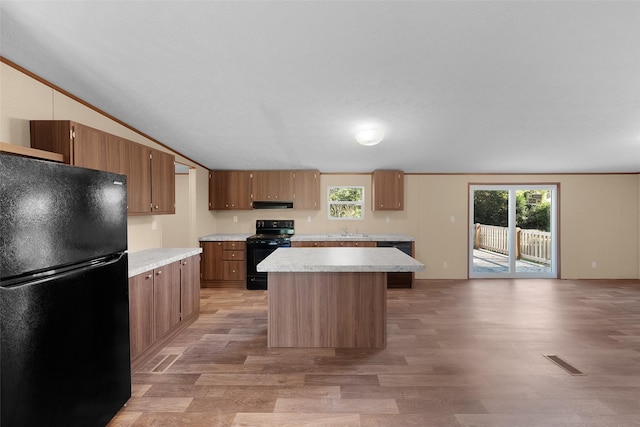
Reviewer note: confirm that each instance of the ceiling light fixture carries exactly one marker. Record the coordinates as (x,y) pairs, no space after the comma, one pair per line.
(369,136)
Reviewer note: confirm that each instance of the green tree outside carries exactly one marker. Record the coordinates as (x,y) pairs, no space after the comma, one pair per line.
(533,209)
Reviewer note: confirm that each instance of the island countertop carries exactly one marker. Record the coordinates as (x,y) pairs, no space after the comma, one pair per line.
(352,259)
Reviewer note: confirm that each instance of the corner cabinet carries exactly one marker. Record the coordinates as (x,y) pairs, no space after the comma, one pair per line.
(229,190)
(150,172)
(223,264)
(162,302)
(387,189)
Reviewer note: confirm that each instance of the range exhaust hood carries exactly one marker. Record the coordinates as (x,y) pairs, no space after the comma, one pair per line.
(270,204)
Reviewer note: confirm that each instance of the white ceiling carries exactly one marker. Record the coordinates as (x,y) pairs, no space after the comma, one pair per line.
(476,86)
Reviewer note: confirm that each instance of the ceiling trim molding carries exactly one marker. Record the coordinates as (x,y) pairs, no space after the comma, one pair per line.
(92,107)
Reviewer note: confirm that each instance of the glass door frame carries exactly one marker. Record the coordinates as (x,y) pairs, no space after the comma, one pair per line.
(512,188)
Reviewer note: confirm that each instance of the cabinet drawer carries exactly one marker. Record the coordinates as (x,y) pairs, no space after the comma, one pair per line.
(234,270)
(237,246)
(308,244)
(233,255)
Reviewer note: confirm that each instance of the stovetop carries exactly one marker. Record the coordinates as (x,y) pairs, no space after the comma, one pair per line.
(273,229)
(270,236)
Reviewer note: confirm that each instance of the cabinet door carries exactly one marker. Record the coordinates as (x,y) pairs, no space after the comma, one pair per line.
(306,187)
(211,261)
(218,189)
(273,185)
(190,286)
(138,178)
(53,135)
(234,270)
(163,182)
(239,190)
(387,190)
(166,298)
(89,147)
(116,155)
(141,312)
(229,190)
(305,244)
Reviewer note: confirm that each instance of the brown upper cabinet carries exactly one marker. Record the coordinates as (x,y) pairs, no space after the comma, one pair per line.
(236,190)
(163,182)
(272,185)
(229,190)
(150,173)
(387,188)
(138,178)
(306,189)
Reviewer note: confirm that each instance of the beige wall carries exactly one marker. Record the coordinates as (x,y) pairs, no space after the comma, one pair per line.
(23,98)
(599,214)
(598,218)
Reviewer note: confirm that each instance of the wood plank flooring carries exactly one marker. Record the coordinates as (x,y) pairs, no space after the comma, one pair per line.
(459,353)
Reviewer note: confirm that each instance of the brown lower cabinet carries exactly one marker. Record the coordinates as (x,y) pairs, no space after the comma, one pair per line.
(162,302)
(223,264)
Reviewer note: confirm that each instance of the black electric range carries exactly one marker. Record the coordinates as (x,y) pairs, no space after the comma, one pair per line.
(270,235)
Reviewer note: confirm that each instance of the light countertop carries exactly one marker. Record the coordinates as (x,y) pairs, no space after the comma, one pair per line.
(352,237)
(352,259)
(148,259)
(222,237)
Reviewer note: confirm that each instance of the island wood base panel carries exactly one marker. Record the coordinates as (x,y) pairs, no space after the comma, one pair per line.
(327,310)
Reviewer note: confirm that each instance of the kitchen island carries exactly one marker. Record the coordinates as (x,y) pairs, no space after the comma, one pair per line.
(331,297)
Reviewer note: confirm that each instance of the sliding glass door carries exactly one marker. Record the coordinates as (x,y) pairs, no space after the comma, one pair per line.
(512,231)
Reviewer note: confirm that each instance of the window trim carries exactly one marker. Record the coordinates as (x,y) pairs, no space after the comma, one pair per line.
(361,203)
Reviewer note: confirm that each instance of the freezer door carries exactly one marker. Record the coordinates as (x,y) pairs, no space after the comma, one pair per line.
(55,215)
(64,348)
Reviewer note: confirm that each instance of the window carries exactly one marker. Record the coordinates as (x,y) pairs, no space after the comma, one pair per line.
(346,202)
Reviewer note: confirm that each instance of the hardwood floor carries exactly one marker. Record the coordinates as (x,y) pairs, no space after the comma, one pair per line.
(459,353)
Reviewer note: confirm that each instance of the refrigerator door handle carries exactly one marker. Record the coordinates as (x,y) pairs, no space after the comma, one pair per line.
(37,278)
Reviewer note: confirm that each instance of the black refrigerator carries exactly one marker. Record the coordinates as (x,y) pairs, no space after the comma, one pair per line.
(64,304)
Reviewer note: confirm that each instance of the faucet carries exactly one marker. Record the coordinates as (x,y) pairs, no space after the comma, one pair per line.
(345,231)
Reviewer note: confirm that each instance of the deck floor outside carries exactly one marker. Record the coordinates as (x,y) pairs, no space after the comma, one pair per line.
(492,262)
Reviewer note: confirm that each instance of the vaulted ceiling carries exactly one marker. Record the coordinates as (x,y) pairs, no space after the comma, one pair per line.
(460,87)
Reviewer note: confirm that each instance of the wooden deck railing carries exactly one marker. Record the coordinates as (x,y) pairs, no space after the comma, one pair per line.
(532,245)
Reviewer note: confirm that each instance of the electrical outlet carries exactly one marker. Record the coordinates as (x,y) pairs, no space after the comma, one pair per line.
(444,264)
(388,219)
(154,225)
(308,219)
(453,219)
(594,264)
(235,218)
